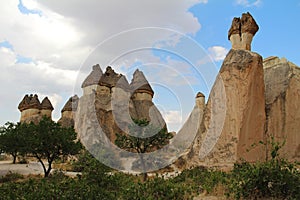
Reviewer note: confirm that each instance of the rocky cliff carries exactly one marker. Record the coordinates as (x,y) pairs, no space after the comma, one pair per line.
(234,116)
(282,83)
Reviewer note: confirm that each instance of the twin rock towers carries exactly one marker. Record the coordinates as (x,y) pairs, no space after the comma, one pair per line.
(233,121)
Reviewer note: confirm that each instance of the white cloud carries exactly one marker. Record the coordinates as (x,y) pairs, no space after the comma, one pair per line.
(217,53)
(173,119)
(249,3)
(172,116)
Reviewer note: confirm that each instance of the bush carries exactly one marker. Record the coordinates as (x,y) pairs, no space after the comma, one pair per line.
(275,178)
(9,177)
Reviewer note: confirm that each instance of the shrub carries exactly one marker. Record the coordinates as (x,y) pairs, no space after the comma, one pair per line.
(9,177)
(275,178)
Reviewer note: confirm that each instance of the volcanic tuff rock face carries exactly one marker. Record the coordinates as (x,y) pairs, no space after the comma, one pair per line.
(67,113)
(115,103)
(235,113)
(282,83)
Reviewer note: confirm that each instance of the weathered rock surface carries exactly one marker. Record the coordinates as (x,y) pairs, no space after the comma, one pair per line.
(68,112)
(115,108)
(242,31)
(32,110)
(93,77)
(282,83)
(234,116)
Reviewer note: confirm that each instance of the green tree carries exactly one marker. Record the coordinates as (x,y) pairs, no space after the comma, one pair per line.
(142,143)
(12,139)
(49,140)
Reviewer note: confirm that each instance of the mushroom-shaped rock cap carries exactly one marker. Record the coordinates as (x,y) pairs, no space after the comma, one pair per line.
(46,104)
(246,24)
(29,102)
(199,94)
(235,27)
(23,105)
(94,77)
(139,83)
(71,104)
(109,78)
(34,102)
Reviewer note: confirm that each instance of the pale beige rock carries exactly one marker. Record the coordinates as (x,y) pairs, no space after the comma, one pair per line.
(282,83)
(235,113)
(29,114)
(46,113)
(68,111)
(200,101)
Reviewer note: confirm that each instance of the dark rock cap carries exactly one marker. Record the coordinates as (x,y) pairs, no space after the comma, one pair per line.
(94,77)
(71,104)
(248,24)
(46,104)
(29,102)
(109,78)
(235,27)
(199,94)
(139,83)
(245,24)
(23,105)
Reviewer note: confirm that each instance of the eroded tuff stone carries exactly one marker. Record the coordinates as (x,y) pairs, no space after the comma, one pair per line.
(248,24)
(139,84)
(242,31)
(109,78)
(67,113)
(46,104)
(282,93)
(120,102)
(46,108)
(235,27)
(32,110)
(234,116)
(94,77)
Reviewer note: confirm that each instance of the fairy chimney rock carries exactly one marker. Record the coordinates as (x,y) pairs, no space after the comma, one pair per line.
(23,105)
(32,110)
(140,87)
(242,31)
(200,101)
(90,84)
(67,113)
(46,108)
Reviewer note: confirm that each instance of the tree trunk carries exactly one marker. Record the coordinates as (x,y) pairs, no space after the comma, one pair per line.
(49,169)
(44,167)
(47,172)
(14,159)
(144,173)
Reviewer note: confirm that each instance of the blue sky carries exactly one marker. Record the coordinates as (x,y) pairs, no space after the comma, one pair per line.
(48,47)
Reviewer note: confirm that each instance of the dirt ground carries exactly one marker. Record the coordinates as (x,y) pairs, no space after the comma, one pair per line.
(25,169)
